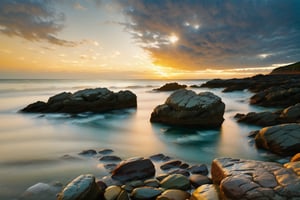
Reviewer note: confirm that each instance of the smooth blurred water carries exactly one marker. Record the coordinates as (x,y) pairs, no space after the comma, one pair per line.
(31,145)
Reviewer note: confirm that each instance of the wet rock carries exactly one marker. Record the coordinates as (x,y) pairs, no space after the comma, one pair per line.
(87,100)
(198,180)
(134,169)
(110,159)
(175,181)
(129,186)
(186,108)
(295,158)
(160,177)
(180,171)
(184,166)
(291,114)
(199,169)
(89,152)
(170,164)
(42,191)
(170,87)
(250,179)
(260,119)
(112,192)
(81,188)
(109,181)
(173,194)
(158,157)
(205,192)
(152,183)
(105,151)
(110,166)
(281,139)
(145,193)
(69,157)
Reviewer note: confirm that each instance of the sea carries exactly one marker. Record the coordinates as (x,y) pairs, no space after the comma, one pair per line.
(33,146)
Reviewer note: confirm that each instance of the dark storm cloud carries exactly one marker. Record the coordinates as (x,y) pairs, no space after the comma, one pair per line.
(216,33)
(34,20)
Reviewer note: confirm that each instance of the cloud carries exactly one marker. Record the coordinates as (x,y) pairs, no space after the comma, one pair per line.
(78,6)
(214,33)
(34,20)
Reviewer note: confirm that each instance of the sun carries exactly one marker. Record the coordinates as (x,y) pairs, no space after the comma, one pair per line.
(173,38)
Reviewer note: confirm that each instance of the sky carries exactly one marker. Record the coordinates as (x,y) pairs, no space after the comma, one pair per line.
(147,39)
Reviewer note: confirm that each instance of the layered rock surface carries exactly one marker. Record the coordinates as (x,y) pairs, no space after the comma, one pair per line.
(87,100)
(281,139)
(186,108)
(250,179)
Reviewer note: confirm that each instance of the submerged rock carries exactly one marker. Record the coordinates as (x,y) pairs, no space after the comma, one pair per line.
(83,187)
(87,100)
(42,191)
(250,179)
(134,169)
(281,139)
(171,87)
(186,108)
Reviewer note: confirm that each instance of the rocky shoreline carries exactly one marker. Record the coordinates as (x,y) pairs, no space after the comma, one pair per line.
(229,178)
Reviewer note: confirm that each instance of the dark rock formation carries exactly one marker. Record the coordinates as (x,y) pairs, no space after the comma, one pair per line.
(281,139)
(288,115)
(134,169)
(87,100)
(186,108)
(171,87)
(82,188)
(249,179)
(288,69)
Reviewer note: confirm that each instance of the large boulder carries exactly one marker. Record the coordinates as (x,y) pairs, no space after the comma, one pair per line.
(281,139)
(171,87)
(250,179)
(186,108)
(87,100)
(134,169)
(83,187)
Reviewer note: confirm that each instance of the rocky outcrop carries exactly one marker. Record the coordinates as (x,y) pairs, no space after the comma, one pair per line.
(186,108)
(171,87)
(83,187)
(134,169)
(288,69)
(281,139)
(288,115)
(278,96)
(87,100)
(249,179)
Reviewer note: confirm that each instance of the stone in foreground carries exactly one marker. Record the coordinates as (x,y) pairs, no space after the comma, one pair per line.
(186,108)
(281,139)
(83,187)
(87,100)
(205,192)
(134,169)
(250,179)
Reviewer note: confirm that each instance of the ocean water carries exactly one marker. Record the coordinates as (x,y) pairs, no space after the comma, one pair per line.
(31,145)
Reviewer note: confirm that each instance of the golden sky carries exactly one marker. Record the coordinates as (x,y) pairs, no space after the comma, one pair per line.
(146,39)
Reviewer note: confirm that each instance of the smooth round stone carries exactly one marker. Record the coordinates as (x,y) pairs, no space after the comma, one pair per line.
(170,164)
(88,152)
(110,158)
(152,183)
(175,181)
(205,192)
(198,180)
(145,193)
(105,151)
(174,194)
(199,169)
(112,192)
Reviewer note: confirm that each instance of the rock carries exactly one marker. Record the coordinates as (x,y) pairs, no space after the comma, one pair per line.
(180,171)
(295,166)
(110,158)
(186,108)
(171,87)
(295,158)
(184,166)
(198,180)
(42,191)
(105,151)
(173,194)
(129,186)
(291,114)
(260,119)
(102,186)
(170,164)
(152,183)
(112,192)
(145,193)
(175,181)
(199,169)
(158,157)
(134,169)
(87,100)
(110,166)
(250,179)
(110,182)
(89,152)
(160,177)
(277,97)
(81,188)
(205,192)
(281,139)
(288,69)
